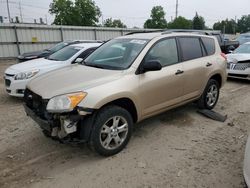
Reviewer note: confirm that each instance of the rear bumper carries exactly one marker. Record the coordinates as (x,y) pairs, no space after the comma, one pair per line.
(44,124)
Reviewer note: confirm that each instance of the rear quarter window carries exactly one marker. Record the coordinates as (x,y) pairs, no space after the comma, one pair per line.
(190,48)
(209,45)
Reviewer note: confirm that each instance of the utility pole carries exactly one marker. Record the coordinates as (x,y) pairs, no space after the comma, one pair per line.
(8,9)
(20,9)
(176,10)
(235,25)
(46,19)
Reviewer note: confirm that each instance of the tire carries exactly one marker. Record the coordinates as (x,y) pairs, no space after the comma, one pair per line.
(210,96)
(112,130)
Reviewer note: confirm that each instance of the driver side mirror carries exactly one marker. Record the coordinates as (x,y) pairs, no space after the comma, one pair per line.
(78,60)
(152,65)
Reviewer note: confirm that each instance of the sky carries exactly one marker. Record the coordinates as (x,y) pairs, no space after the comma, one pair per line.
(135,12)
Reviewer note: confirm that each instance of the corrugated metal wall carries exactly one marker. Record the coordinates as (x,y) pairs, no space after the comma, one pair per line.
(16,39)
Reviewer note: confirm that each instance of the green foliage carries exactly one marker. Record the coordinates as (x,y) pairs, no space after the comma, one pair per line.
(226,26)
(114,23)
(244,24)
(180,23)
(79,13)
(157,20)
(198,22)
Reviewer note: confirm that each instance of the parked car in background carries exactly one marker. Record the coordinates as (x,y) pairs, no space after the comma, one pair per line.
(243,38)
(226,45)
(126,80)
(238,62)
(246,165)
(17,76)
(46,52)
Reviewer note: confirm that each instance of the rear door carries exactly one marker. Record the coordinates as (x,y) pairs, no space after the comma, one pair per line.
(194,66)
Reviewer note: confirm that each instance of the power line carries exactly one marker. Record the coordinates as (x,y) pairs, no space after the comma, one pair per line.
(27,5)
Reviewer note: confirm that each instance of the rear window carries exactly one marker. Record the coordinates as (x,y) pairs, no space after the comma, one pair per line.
(190,47)
(209,45)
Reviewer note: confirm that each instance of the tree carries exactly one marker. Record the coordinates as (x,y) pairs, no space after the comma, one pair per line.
(198,22)
(244,24)
(63,10)
(114,23)
(226,26)
(80,13)
(157,20)
(180,23)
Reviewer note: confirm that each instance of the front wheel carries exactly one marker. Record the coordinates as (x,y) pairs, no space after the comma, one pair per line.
(210,96)
(112,130)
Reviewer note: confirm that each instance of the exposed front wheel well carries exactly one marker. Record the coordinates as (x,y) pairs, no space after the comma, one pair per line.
(127,104)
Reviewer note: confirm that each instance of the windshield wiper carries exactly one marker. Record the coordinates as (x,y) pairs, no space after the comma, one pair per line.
(94,65)
(52,59)
(101,66)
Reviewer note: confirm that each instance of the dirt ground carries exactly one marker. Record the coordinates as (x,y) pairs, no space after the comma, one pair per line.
(179,148)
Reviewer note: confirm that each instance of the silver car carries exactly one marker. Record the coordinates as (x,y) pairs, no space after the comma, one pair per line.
(238,62)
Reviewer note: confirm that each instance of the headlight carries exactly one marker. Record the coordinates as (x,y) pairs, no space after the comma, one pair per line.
(26,75)
(65,103)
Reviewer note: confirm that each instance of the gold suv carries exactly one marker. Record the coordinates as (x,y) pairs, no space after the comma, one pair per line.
(124,81)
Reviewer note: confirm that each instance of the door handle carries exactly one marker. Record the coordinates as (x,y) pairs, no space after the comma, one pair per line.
(179,72)
(209,64)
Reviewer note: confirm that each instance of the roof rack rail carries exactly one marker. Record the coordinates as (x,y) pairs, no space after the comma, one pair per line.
(202,32)
(145,31)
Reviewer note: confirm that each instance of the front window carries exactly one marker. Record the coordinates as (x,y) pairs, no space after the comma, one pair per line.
(243,49)
(64,54)
(165,52)
(117,54)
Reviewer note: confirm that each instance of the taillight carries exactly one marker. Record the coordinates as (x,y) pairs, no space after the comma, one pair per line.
(223,55)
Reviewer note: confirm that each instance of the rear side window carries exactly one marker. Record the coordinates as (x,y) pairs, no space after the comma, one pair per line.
(209,45)
(190,47)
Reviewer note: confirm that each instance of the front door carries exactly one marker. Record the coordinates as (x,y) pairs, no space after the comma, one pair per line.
(164,88)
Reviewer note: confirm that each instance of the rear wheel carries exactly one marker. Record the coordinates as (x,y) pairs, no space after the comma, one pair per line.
(210,96)
(112,130)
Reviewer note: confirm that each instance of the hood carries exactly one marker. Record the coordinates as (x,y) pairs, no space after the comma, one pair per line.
(70,79)
(32,65)
(237,57)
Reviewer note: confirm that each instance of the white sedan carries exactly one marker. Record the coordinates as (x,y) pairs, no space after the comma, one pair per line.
(238,65)
(17,76)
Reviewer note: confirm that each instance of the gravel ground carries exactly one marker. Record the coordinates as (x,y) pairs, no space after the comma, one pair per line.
(179,148)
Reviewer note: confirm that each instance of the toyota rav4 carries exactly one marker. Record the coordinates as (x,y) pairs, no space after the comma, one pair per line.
(126,80)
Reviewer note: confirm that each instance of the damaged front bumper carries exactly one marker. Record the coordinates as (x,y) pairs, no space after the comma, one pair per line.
(60,126)
(74,125)
(44,124)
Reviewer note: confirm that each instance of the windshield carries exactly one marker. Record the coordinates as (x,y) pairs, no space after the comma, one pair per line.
(117,54)
(58,46)
(243,49)
(65,53)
